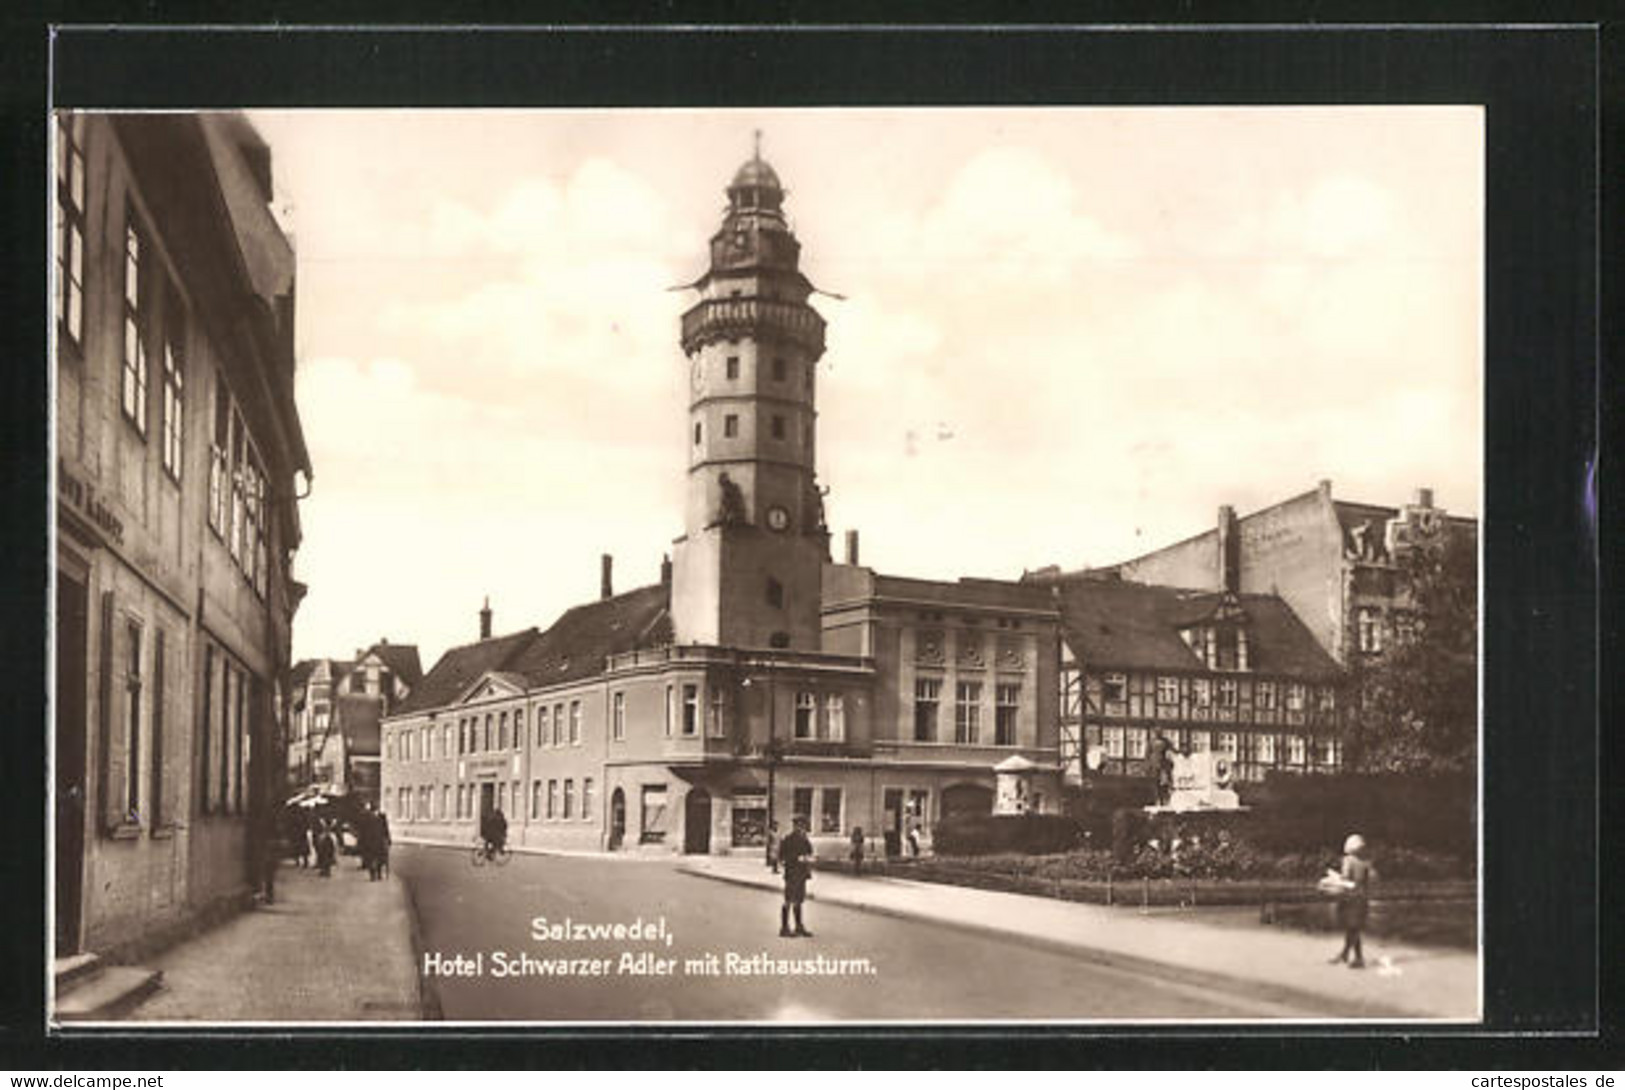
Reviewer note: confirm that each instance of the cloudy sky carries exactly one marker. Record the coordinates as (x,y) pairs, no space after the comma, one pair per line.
(1065,335)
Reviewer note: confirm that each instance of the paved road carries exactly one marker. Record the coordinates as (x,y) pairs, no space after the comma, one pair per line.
(915,970)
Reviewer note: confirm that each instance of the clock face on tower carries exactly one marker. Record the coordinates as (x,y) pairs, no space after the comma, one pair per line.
(777,518)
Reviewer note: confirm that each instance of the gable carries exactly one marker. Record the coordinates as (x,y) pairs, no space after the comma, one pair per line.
(490,685)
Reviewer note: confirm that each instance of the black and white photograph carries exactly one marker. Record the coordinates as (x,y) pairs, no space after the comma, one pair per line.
(828,566)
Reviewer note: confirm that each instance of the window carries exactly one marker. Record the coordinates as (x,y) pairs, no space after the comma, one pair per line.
(575,722)
(1227,692)
(1328,700)
(1136,739)
(445,802)
(829,814)
(535,799)
(696,433)
(1226,744)
(558,724)
(1114,688)
(1201,692)
(133,394)
(155,804)
(967,712)
(778,426)
(569,800)
(70,226)
(1007,704)
(691,710)
(552,798)
(778,368)
(1369,625)
(775,593)
(716,726)
(1294,749)
(801,804)
(445,740)
(835,717)
(730,426)
(806,711)
(1294,697)
(174,403)
(1267,696)
(502,731)
(733,367)
(670,698)
(1198,741)
(927,698)
(132,721)
(586,799)
(1329,752)
(234,536)
(653,829)
(1167,690)
(617,720)
(1113,738)
(541,726)
(218,446)
(1266,749)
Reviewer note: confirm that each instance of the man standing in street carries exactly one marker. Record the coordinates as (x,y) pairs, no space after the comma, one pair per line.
(795,854)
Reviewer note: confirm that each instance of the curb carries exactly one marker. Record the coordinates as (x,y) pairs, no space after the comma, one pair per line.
(1248,987)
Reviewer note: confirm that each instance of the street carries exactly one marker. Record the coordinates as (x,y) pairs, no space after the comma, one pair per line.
(916,971)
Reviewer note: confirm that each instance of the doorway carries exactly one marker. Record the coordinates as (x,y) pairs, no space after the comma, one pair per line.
(617,820)
(488,801)
(697,822)
(72,600)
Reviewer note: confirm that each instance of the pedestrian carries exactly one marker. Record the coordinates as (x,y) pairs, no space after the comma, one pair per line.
(1354,901)
(796,852)
(326,849)
(301,842)
(857,849)
(369,842)
(269,848)
(773,846)
(384,841)
(913,838)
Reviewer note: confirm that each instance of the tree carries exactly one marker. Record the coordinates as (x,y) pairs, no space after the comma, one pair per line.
(1415,705)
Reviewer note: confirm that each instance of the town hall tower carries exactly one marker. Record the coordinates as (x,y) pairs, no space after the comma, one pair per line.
(747,571)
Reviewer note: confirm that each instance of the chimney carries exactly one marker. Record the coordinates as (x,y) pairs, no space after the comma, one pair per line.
(1229,551)
(1325,489)
(852,547)
(485,620)
(383,641)
(1424,497)
(606,568)
(665,571)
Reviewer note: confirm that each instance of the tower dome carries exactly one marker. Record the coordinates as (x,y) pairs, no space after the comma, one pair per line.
(756,173)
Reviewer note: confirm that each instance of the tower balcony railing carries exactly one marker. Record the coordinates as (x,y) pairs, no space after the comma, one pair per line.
(712,319)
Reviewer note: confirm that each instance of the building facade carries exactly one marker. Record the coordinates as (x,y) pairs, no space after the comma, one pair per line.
(757,681)
(178,450)
(334,711)
(1333,561)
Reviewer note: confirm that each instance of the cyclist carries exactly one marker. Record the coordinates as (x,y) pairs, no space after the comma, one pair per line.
(494,831)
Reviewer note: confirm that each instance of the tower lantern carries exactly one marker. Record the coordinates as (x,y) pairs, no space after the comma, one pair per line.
(748,570)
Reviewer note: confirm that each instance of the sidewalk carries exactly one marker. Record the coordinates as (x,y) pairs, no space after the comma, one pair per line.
(334,949)
(1262,962)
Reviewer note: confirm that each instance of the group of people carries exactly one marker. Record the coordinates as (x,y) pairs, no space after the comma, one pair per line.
(316,842)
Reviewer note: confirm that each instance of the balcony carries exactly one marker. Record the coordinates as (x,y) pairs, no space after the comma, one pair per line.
(713,319)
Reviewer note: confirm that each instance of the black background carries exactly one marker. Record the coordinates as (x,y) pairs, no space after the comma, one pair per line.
(1546,783)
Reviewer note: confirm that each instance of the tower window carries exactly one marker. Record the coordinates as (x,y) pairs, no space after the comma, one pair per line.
(778,368)
(696,433)
(730,426)
(733,367)
(775,593)
(778,427)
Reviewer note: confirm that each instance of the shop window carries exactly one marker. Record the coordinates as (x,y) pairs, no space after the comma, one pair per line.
(829,815)
(801,804)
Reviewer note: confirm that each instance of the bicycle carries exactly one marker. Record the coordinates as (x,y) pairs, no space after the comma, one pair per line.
(484,853)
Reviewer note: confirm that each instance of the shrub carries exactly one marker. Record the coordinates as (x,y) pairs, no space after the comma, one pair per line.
(985,834)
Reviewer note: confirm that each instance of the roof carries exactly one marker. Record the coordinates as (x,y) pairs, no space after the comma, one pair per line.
(1136,626)
(756,172)
(458,667)
(574,647)
(356,717)
(402,660)
(301,673)
(579,641)
(989,593)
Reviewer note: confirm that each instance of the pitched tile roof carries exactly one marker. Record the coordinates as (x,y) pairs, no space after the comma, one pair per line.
(458,668)
(1123,625)
(574,647)
(579,641)
(402,660)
